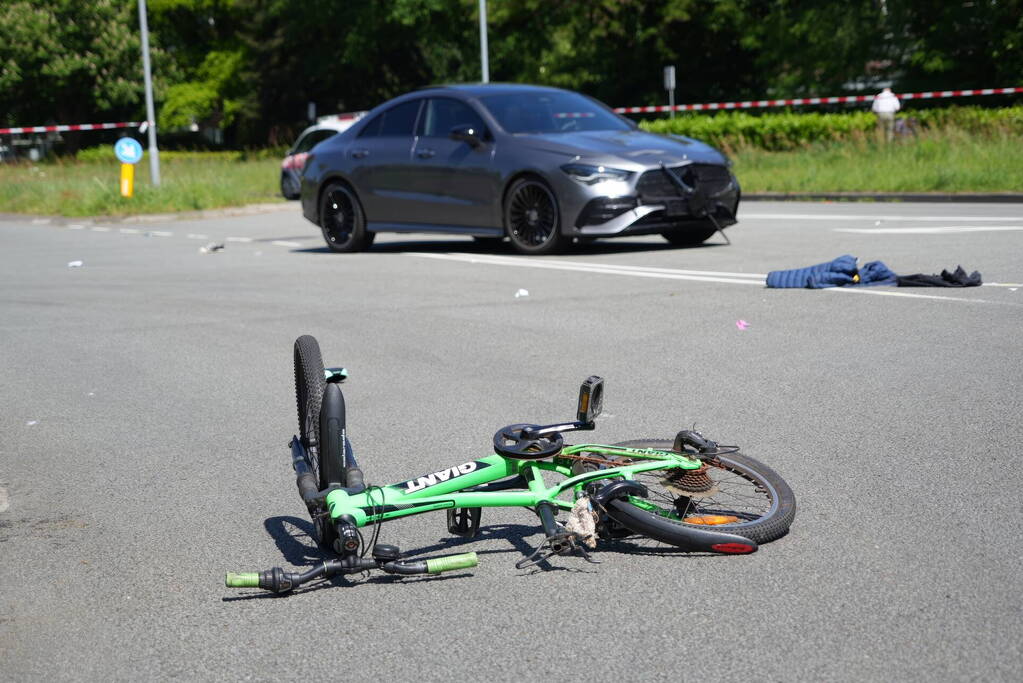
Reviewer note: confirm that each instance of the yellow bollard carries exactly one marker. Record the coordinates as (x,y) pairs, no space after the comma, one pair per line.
(127,180)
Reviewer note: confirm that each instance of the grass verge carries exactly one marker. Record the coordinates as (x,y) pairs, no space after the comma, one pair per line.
(941,162)
(92,188)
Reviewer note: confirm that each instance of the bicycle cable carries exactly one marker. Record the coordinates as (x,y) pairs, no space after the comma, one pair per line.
(378,511)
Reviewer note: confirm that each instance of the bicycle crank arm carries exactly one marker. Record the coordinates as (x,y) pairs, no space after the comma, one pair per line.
(694,538)
(279,581)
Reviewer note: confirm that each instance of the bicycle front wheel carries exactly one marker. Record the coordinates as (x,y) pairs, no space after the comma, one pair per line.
(731,493)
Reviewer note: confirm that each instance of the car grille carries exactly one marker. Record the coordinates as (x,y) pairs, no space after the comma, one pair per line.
(708,179)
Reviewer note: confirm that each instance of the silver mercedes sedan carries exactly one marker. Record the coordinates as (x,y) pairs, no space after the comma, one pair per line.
(540,166)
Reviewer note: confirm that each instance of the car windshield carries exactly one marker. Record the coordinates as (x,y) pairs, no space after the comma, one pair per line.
(550,112)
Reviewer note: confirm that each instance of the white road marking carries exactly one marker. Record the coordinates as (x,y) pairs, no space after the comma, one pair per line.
(100,228)
(195,236)
(5,500)
(936,230)
(160,233)
(238,239)
(606,269)
(850,217)
(878,292)
(284,243)
(76,227)
(670,274)
(129,231)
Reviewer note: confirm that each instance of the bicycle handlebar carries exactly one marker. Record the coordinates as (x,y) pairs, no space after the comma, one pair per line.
(279,581)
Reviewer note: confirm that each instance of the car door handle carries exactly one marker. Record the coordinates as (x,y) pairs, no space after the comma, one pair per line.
(425,153)
(360,153)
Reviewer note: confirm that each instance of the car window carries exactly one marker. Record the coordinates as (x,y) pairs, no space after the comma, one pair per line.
(311,139)
(397,121)
(319,136)
(551,112)
(443,113)
(302,144)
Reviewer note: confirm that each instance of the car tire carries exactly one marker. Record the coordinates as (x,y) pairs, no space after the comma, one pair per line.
(289,186)
(532,220)
(342,220)
(690,237)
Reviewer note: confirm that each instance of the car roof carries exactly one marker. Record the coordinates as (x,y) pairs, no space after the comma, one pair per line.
(480,89)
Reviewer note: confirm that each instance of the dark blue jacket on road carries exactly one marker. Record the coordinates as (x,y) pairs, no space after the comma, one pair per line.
(838,273)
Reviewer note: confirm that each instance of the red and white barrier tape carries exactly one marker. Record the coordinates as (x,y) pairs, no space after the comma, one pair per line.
(756,104)
(62,129)
(748,104)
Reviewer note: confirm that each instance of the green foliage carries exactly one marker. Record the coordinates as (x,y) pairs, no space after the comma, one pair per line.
(252,66)
(104,154)
(213,98)
(65,60)
(789,130)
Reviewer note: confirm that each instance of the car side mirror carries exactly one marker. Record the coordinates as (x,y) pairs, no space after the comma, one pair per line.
(591,399)
(469,134)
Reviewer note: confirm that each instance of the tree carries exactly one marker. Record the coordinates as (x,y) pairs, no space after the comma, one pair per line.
(950,45)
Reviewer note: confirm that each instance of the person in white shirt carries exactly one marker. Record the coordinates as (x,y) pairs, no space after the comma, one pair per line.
(885,105)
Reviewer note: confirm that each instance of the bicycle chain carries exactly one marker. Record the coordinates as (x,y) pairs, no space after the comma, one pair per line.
(706,457)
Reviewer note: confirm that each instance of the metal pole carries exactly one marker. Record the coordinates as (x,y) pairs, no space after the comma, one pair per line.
(154,153)
(483,41)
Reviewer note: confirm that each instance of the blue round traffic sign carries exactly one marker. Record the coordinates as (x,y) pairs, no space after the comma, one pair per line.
(128,150)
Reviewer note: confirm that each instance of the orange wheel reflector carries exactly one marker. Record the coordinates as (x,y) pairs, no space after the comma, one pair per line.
(711,520)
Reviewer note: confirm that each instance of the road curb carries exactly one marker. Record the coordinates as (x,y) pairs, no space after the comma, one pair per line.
(939,197)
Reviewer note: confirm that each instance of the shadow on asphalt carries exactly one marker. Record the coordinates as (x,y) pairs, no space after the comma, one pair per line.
(294,539)
(610,246)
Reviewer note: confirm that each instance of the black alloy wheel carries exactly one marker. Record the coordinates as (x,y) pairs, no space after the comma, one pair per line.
(531,218)
(342,220)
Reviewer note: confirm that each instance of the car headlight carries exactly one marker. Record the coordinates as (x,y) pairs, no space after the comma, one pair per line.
(589,174)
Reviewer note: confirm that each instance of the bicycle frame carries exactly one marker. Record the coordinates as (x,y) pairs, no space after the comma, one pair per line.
(464,486)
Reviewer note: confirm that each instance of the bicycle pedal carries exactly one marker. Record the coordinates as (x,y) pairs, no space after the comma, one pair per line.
(561,545)
(464,521)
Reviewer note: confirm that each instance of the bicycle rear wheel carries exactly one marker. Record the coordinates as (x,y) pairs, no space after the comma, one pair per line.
(732,493)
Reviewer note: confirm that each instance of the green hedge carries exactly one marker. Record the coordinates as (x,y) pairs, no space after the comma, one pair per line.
(775,131)
(105,154)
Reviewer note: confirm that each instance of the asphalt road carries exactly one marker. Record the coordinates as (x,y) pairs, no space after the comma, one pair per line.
(146,402)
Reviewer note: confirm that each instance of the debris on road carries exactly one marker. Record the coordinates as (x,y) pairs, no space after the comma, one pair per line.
(75,264)
(521,293)
(742,324)
(31,422)
(211,248)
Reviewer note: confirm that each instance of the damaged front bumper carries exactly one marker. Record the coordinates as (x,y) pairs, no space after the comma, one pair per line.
(665,200)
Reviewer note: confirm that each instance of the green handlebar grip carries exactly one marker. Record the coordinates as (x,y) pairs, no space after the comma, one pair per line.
(450,562)
(242,580)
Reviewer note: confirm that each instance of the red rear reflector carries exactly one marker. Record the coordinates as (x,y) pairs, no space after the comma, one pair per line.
(734,548)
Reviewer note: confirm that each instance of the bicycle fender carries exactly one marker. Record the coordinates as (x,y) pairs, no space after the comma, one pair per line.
(681,535)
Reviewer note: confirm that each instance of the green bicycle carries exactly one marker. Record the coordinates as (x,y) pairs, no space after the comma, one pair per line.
(691,492)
